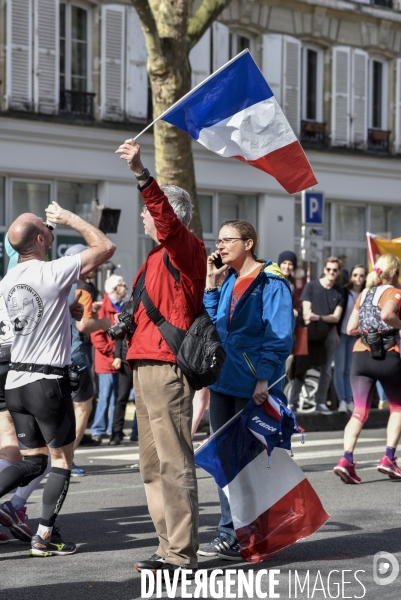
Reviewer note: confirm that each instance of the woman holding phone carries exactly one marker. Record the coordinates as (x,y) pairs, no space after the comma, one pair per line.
(252,311)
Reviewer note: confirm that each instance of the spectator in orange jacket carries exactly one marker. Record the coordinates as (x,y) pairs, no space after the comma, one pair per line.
(115,288)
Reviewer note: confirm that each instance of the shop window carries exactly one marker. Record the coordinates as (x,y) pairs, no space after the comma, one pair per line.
(385,221)
(77,197)
(30,197)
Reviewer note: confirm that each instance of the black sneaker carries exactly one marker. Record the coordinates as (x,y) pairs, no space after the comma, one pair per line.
(231,553)
(153,563)
(53,547)
(169,571)
(213,549)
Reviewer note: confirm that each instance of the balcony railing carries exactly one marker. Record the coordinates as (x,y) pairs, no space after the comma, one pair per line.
(379,141)
(76,104)
(385,3)
(313,133)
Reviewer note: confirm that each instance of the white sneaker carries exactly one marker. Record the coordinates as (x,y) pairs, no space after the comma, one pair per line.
(322,409)
(342,407)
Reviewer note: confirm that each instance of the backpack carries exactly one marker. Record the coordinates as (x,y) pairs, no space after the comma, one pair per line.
(369,311)
(199,351)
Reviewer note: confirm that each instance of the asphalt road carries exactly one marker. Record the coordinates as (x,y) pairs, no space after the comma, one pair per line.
(106,515)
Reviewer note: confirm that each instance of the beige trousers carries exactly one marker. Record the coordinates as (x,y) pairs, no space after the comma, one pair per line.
(163,401)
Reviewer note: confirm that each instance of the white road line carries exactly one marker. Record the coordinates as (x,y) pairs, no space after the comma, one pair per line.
(329,453)
(130,456)
(332,442)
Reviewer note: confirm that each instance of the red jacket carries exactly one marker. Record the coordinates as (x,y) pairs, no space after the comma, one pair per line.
(104,347)
(179,303)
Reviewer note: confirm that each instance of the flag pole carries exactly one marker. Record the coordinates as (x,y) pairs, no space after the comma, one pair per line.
(192,91)
(223,427)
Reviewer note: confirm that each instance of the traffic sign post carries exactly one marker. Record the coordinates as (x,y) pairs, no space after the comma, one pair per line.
(312,231)
(312,208)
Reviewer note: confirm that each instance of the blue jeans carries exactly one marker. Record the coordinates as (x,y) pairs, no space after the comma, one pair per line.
(108,390)
(222,408)
(342,367)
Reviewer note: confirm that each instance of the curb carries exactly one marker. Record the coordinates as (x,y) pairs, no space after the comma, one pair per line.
(337,421)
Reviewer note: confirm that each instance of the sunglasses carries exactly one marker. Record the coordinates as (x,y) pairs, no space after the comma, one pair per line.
(331,270)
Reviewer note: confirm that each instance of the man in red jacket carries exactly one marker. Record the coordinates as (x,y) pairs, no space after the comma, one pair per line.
(163,395)
(116,289)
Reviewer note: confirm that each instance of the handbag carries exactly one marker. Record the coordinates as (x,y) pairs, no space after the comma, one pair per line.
(318,331)
(300,347)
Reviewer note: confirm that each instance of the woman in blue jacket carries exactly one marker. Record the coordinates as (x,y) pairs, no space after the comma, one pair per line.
(253,314)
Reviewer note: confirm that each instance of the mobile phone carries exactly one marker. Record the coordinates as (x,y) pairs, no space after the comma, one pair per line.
(218,263)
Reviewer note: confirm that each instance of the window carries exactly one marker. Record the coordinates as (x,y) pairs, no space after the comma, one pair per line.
(216,208)
(73,48)
(312,84)
(238,43)
(2,199)
(30,197)
(385,221)
(77,197)
(378,94)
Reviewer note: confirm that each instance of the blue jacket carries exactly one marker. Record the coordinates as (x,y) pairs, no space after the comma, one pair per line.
(259,337)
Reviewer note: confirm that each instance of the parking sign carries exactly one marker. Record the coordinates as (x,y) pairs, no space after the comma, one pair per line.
(312,208)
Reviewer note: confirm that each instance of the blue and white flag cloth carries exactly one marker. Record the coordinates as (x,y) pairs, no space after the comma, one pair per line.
(235,114)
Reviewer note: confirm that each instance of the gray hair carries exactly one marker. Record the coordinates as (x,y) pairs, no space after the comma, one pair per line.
(180,201)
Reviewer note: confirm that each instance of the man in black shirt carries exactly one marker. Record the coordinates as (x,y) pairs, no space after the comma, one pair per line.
(322,300)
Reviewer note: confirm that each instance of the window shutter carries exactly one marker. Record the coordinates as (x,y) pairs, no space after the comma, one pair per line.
(46,56)
(136,97)
(199,57)
(272,61)
(341,96)
(398,107)
(221,45)
(359,111)
(112,62)
(291,89)
(19,54)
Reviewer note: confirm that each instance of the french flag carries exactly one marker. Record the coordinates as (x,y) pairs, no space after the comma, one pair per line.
(271,508)
(235,114)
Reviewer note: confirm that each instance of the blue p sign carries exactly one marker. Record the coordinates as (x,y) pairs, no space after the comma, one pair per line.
(312,208)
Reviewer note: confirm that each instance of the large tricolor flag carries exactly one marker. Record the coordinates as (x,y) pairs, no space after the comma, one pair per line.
(235,114)
(272,508)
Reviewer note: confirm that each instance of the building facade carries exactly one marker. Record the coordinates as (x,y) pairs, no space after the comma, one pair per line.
(73,85)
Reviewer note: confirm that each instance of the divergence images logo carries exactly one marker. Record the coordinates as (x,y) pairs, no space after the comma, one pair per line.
(25,308)
(385,568)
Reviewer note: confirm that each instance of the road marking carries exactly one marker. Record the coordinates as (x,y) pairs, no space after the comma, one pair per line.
(131,456)
(329,453)
(331,442)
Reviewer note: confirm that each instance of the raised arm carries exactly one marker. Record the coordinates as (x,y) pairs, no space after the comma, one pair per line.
(100,248)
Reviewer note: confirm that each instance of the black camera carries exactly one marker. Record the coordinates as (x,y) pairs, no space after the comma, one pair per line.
(126,326)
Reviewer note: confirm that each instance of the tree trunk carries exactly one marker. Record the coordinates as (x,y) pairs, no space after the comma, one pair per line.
(173,147)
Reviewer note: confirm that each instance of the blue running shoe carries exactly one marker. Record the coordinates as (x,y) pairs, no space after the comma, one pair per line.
(77,471)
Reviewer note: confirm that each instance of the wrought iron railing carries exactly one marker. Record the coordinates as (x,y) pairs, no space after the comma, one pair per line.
(379,141)
(313,133)
(385,3)
(76,104)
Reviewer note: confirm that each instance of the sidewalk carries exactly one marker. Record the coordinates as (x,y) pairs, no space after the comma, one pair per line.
(337,421)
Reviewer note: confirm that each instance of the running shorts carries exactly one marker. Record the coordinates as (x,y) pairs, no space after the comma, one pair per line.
(4,369)
(43,413)
(85,390)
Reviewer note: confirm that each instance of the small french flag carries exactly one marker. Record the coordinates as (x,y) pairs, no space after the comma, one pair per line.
(235,114)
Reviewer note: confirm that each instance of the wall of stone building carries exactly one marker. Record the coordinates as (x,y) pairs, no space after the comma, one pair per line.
(2,53)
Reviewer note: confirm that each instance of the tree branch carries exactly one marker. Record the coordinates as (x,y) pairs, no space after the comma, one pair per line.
(156,59)
(203,18)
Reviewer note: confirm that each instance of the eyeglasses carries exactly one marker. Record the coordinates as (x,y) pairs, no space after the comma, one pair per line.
(226,241)
(331,270)
(122,285)
(358,275)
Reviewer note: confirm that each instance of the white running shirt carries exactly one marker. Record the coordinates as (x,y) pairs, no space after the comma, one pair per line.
(36,297)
